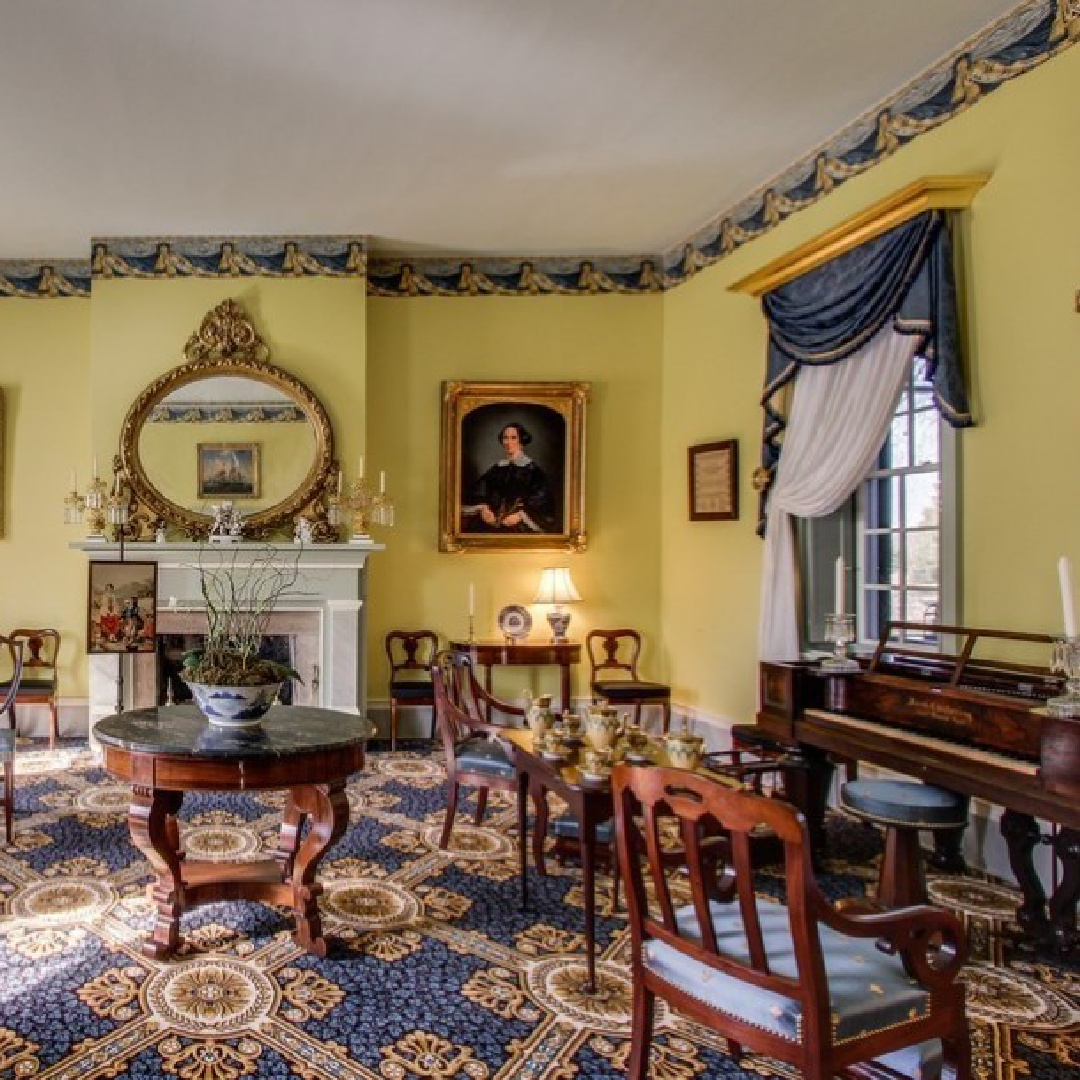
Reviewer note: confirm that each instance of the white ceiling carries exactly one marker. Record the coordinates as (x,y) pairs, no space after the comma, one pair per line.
(486,126)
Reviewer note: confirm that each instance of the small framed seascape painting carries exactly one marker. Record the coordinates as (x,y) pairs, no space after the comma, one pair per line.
(714,481)
(512,466)
(228,471)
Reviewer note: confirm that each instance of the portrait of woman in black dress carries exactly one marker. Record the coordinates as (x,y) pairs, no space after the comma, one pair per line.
(514,494)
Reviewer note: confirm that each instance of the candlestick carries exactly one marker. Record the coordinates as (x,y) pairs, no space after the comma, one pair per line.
(1067,606)
(838,586)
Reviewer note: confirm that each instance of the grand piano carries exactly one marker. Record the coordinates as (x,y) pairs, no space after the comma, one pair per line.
(975,725)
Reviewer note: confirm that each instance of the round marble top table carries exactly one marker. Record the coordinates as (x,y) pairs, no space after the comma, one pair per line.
(163,752)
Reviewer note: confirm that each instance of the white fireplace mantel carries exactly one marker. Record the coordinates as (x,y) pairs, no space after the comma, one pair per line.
(331,589)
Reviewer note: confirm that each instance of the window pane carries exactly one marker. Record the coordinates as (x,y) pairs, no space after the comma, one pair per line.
(927,438)
(922,606)
(880,605)
(924,401)
(882,564)
(923,557)
(895,453)
(882,502)
(921,500)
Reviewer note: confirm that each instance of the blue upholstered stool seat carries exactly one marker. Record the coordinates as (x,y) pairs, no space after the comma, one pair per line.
(566,827)
(480,755)
(905,802)
(869,990)
(904,807)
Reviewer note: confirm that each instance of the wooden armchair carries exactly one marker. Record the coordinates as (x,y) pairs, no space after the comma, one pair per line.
(799,981)
(474,755)
(613,662)
(11,657)
(39,685)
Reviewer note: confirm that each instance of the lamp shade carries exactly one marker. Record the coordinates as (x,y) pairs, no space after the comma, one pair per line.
(556,587)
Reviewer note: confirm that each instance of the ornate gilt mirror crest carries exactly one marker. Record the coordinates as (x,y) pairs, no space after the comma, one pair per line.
(227,425)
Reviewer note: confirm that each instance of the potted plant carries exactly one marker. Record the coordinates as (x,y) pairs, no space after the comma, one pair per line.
(231,684)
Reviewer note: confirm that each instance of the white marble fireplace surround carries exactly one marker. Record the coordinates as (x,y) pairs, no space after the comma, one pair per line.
(325,615)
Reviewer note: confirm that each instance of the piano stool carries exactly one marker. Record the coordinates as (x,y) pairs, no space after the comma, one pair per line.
(904,807)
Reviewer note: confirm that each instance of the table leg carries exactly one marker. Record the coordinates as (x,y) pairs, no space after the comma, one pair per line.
(588,886)
(328,808)
(152,819)
(292,821)
(522,795)
(540,826)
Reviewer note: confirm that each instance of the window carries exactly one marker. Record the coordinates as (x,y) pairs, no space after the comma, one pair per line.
(900,525)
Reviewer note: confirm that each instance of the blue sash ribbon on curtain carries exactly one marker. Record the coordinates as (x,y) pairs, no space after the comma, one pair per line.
(828,314)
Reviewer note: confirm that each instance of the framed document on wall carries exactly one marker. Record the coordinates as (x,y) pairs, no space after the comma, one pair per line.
(714,481)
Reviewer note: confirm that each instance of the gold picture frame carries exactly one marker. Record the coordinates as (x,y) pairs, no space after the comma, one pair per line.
(512,469)
(229,471)
(713,470)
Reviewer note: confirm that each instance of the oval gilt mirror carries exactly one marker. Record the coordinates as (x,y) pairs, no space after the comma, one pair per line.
(227,425)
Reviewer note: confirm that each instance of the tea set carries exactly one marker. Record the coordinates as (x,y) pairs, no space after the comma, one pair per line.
(600,737)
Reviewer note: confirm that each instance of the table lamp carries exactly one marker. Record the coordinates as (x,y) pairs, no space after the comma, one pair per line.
(557,588)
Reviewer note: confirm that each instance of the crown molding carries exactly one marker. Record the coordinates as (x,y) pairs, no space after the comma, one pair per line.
(931,193)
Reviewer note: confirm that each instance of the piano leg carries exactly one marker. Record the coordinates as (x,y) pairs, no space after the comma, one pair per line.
(807,784)
(1063,904)
(1022,835)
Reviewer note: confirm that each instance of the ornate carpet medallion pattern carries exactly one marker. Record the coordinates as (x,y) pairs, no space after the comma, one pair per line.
(434,972)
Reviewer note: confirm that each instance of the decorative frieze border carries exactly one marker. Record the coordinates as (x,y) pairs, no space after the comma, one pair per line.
(1016,43)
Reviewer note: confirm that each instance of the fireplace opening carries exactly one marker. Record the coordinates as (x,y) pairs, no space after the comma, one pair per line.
(171,649)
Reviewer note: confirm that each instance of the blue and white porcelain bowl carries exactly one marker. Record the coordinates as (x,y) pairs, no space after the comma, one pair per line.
(234,706)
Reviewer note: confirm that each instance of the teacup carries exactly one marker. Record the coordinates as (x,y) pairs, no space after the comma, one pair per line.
(595,763)
(683,749)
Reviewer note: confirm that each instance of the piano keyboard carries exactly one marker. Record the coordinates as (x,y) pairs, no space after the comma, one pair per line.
(899,735)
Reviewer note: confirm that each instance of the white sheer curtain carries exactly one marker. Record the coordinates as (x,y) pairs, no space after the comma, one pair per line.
(839,417)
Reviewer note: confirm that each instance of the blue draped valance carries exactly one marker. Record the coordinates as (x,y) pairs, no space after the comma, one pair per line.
(903,277)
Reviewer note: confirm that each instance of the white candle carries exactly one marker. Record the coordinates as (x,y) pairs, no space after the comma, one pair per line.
(95,466)
(472,599)
(339,483)
(1067,606)
(382,483)
(838,586)
(360,469)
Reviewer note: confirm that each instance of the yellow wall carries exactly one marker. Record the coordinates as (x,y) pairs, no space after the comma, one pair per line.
(1020,486)
(44,374)
(612,342)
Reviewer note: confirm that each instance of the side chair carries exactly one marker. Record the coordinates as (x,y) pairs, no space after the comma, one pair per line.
(799,981)
(40,685)
(410,654)
(11,656)
(613,662)
(474,755)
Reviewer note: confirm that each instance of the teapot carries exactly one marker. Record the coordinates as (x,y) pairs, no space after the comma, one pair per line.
(602,729)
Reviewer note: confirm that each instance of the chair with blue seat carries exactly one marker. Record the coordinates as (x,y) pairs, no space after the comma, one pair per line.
(11,657)
(474,755)
(825,991)
(40,684)
(410,654)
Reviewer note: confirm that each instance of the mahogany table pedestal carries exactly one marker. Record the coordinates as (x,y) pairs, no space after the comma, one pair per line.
(165,751)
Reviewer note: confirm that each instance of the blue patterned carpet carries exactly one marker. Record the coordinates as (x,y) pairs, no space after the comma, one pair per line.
(434,972)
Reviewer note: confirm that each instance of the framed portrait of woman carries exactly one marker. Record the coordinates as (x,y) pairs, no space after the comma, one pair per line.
(512,469)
